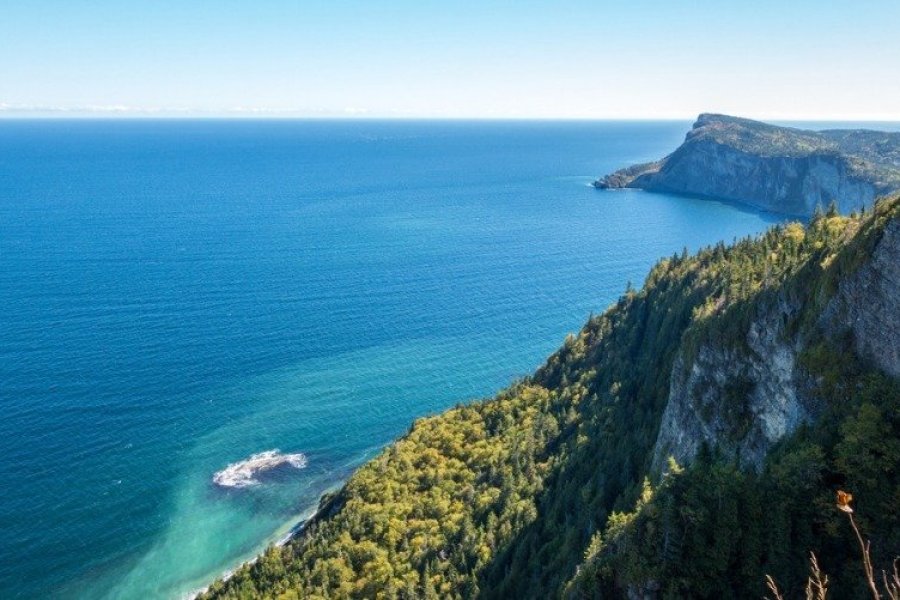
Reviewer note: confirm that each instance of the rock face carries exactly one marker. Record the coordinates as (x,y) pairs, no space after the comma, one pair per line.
(739,400)
(744,398)
(867,304)
(779,169)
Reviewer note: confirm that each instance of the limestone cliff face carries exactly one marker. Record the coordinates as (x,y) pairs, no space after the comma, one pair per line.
(772,168)
(738,399)
(791,185)
(867,304)
(744,397)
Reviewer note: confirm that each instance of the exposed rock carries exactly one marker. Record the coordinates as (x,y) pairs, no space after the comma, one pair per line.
(866,304)
(778,169)
(739,400)
(624,177)
(742,399)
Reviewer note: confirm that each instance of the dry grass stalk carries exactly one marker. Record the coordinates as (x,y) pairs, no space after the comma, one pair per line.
(817,584)
(770,583)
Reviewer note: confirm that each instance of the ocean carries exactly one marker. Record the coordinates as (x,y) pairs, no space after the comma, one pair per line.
(179,295)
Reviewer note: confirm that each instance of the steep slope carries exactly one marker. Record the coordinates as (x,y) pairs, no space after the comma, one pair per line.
(743,394)
(774,404)
(762,366)
(780,169)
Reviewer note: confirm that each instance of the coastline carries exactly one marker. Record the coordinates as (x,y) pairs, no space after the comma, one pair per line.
(228,401)
(293,531)
(772,216)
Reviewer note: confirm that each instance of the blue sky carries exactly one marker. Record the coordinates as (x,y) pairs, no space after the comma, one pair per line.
(788,59)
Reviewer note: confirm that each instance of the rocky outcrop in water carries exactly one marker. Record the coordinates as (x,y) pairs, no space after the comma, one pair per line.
(779,169)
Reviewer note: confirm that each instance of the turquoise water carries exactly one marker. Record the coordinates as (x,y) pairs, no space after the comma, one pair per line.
(178,295)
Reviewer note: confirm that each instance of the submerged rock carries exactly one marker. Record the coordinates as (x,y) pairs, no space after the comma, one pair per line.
(243,473)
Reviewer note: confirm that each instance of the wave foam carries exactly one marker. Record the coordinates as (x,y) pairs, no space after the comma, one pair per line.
(243,473)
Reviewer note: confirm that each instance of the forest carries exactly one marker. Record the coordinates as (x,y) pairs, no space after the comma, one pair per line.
(548,489)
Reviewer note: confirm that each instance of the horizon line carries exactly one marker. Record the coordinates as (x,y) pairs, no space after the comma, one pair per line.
(9,111)
(287,116)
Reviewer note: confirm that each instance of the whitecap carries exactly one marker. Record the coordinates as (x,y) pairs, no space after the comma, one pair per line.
(243,473)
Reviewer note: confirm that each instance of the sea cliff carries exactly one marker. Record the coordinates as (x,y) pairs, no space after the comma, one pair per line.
(685,443)
(778,169)
(744,394)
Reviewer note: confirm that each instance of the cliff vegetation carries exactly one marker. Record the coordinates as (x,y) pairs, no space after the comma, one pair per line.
(685,443)
(780,169)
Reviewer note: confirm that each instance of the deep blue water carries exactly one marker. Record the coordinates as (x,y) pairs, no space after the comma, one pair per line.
(178,295)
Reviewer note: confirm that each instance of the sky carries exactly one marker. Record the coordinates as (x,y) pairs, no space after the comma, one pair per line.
(785,59)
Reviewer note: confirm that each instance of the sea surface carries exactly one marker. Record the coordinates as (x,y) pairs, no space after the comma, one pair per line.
(176,296)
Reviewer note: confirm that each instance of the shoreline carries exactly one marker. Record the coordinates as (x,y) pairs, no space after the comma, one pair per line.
(293,532)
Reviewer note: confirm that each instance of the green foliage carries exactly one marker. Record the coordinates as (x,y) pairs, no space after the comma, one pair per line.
(714,531)
(543,490)
(426,515)
(870,155)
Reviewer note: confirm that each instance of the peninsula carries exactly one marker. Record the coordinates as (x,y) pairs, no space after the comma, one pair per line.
(778,169)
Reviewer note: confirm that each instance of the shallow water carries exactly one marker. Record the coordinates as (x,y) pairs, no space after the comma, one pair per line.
(176,296)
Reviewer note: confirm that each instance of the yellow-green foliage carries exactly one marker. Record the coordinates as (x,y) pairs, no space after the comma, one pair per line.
(428,513)
(505,498)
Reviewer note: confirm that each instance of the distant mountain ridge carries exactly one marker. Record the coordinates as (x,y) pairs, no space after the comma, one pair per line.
(779,169)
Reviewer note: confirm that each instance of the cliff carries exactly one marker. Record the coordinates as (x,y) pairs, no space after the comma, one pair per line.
(779,169)
(772,400)
(768,370)
(742,395)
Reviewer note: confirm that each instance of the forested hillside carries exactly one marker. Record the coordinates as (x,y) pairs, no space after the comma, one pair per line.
(556,488)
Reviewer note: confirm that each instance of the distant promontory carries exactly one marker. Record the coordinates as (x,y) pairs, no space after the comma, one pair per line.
(779,169)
